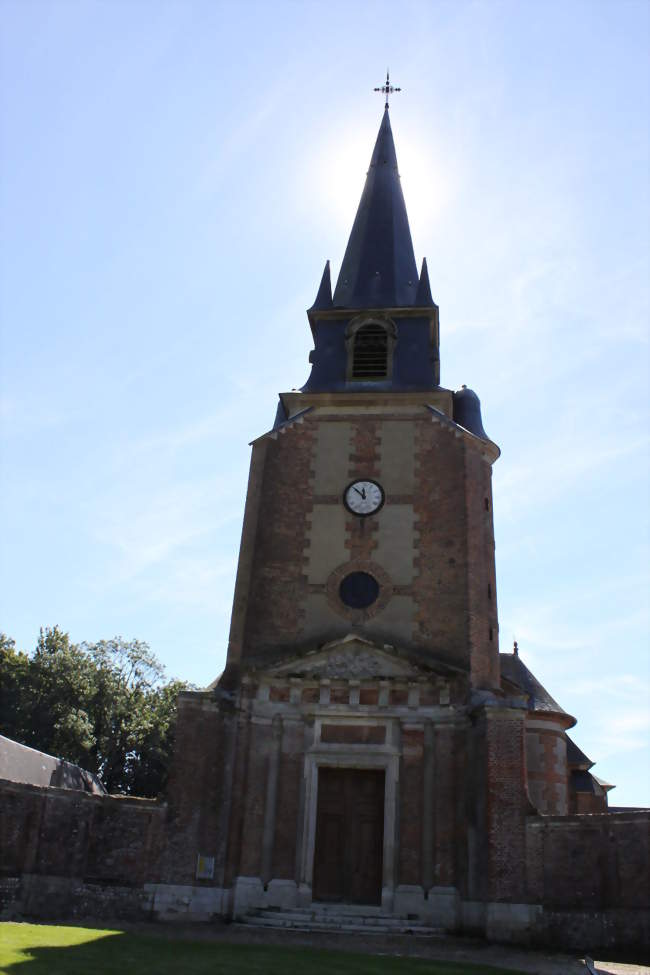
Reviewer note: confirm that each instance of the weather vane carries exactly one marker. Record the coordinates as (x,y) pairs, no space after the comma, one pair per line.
(387,89)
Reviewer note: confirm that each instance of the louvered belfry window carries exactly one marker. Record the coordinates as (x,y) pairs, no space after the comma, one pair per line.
(370,354)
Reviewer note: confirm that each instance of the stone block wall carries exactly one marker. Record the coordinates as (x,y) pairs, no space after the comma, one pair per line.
(67,853)
(591,875)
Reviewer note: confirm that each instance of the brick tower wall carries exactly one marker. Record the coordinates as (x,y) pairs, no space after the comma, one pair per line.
(431,546)
(546,766)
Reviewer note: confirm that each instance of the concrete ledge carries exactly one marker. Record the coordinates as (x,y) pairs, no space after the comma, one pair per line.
(304,895)
(442,907)
(281,893)
(183,902)
(472,917)
(514,923)
(409,899)
(387,900)
(247,894)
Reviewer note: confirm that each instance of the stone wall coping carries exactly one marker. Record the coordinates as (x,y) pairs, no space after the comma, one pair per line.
(75,795)
(198,697)
(588,819)
(550,724)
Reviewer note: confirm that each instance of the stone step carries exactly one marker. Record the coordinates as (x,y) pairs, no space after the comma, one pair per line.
(333,917)
(325,909)
(304,920)
(349,928)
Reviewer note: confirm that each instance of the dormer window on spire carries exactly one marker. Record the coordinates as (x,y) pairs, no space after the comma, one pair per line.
(370,350)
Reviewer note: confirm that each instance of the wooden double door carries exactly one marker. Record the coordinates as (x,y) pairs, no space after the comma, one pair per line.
(349,836)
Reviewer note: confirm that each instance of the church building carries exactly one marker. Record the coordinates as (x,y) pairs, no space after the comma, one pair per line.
(367,744)
(367,756)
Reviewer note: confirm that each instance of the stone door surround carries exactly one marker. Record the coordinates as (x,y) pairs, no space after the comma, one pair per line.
(323,754)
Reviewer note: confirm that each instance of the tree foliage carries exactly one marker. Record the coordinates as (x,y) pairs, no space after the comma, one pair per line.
(104,706)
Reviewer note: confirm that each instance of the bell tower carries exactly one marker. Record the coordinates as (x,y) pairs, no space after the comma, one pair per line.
(367,744)
(369,508)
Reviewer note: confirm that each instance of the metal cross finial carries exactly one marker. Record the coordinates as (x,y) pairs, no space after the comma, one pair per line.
(387,89)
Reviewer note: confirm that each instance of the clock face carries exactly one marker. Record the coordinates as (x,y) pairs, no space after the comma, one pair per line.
(363,497)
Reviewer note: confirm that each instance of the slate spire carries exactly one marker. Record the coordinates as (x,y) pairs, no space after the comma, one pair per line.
(423,297)
(324,296)
(379,269)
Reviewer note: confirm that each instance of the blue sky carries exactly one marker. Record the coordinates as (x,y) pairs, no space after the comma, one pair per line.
(174,176)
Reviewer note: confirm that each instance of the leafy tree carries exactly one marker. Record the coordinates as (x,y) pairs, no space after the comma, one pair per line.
(102,705)
(14,671)
(60,697)
(148,763)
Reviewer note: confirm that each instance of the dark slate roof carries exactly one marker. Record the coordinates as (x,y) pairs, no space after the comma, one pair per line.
(583,781)
(280,415)
(605,786)
(20,763)
(324,296)
(379,269)
(575,757)
(467,412)
(423,298)
(515,670)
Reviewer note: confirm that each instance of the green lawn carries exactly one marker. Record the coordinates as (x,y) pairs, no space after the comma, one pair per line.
(39,949)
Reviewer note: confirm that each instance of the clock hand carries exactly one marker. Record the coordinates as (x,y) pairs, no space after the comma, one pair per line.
(361,494)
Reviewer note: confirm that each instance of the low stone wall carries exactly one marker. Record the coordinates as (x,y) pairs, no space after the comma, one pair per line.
(66,853)
(590,874)
(59,898)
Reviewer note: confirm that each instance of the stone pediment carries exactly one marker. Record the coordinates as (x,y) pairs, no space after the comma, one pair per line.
(350,658)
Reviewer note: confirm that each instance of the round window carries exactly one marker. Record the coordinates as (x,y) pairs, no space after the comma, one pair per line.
(359,590)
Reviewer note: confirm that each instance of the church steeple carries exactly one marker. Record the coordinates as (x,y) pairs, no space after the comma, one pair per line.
(379,331)
(379,269)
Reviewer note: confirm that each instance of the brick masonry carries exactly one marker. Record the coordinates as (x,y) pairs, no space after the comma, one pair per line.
(431,545)
(546,767)
(464,825)
(503,733)
(67,853)
(476,836)
(591,874)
